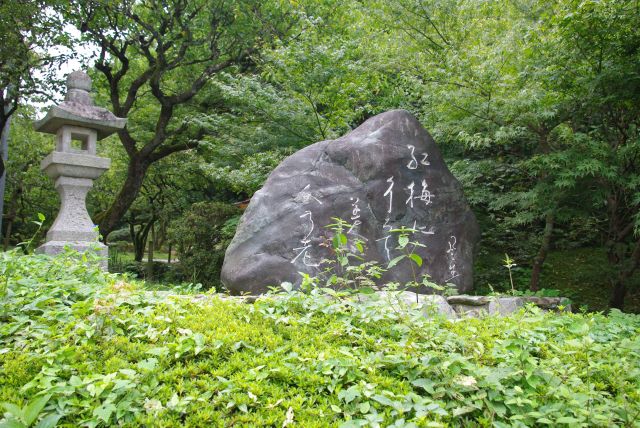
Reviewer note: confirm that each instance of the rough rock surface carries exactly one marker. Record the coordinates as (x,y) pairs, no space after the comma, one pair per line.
(385,174)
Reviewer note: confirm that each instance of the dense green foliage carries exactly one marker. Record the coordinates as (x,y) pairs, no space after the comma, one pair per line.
(580,274)
(32,48)
(84,348)
(201,237)
(535,105)
(28,192)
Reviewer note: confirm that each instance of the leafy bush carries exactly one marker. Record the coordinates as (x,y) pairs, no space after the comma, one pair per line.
(201,237)
(86,348)
(140,269)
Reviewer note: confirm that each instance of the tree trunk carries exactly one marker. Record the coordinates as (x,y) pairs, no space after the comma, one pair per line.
(137,256)
(130,189)
(150,254)
(5,246)
(160,235)
(12,212)
(618,294)
(619,291)
(138,248)
(139,238)
(538,261)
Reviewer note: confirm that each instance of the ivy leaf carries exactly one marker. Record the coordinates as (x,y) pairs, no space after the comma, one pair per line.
(416,258)
(12,423)
(49,421)
(386,401)
(198,338)
(462,410)
(567,420)
(104,412)
(128,372)
(395,261)
(159,351)
(31,412)
(148,364)
(13,410)
(579,328)
(348,395)
(426,384)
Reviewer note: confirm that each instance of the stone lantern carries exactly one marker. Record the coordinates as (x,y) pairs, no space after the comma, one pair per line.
(73,165)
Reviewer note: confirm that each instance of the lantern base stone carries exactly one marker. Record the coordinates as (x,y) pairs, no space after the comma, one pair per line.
(52,248)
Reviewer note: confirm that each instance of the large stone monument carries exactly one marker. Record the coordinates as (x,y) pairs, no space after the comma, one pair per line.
(73,165)
(386,174)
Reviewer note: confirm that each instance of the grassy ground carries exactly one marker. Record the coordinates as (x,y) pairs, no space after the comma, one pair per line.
(581,274)
(79,347)
(157,256)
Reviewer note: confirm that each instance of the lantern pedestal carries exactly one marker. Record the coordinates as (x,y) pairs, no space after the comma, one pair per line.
(73,175)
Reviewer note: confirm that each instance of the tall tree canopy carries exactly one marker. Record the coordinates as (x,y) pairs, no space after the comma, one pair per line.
(156,56)
(31,35)
(544,97)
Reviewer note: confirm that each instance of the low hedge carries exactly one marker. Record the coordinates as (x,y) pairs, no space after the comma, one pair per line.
(79,347)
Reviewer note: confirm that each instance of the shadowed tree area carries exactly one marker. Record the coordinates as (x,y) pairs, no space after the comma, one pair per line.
(534,105)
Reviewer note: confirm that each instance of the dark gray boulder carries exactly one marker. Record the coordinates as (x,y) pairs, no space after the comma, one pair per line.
(385,174)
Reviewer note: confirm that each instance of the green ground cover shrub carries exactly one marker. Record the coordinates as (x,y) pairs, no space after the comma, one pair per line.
(82,348)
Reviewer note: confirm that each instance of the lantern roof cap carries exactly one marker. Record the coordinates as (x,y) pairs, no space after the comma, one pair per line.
(78,109)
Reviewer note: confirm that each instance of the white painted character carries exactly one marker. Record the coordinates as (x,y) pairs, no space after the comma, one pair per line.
(452,245)
(425,159)
(386,246)
(413,163)
(304,249)
(355,213)
(423,229)
(425,195)
(306,239)
(306,260)
(389,193)
(306,196)
(355,216)
(409,200)
(451,252)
